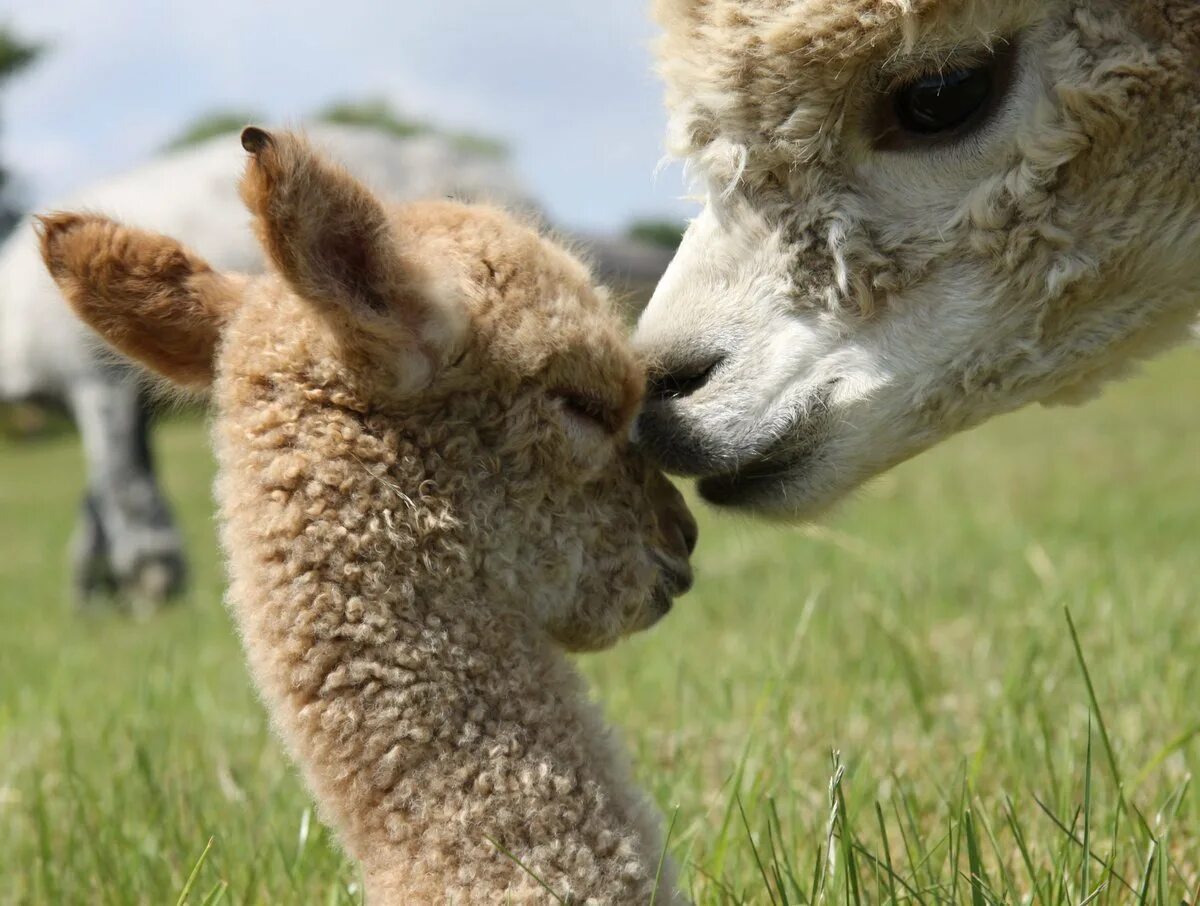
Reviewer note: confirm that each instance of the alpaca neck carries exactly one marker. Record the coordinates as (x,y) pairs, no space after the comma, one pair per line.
(436,732)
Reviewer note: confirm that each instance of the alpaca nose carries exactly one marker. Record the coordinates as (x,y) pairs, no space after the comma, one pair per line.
(670,427)
(675,379)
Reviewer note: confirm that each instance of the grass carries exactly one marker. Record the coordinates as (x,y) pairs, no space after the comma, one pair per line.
(979,683)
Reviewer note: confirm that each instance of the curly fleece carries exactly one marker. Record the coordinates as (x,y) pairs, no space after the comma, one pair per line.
(425,496)
(760,106)
(854,290)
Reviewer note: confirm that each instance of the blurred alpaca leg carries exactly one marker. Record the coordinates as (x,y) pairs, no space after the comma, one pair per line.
(126,540)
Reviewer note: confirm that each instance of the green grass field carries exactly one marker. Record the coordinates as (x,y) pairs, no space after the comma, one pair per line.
(909,661)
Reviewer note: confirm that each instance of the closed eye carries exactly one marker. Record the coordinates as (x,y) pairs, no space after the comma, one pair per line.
(588,408)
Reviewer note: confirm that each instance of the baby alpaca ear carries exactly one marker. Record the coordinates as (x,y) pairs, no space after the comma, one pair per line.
(332,240)
(145,294)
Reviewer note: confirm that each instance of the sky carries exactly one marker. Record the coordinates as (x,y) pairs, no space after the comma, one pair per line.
(569,85)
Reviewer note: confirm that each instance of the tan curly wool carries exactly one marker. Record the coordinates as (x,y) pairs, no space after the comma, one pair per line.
(425,495)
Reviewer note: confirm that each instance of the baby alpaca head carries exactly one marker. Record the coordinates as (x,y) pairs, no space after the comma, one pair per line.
(506,375)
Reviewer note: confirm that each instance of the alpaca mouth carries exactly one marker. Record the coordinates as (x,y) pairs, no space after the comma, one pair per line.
(674,580)
(675,576)
(736,465)
(661,604)
(761,482)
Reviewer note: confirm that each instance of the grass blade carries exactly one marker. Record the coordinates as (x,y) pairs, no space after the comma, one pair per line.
(978,878)
(1109,753)
(662,857)
(191,881)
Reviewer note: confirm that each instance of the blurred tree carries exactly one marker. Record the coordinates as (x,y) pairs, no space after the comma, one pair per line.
(378,114)
(664,233)
(375,114)
(371,114)
(208,125)
(15,55)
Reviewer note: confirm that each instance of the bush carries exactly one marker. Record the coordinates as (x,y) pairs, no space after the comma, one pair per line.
(664,233)
(210,125)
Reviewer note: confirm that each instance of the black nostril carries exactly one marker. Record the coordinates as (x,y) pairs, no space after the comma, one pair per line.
(674,380)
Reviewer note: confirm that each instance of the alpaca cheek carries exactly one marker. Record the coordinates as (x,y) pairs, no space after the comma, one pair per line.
(412,375)
(558,579)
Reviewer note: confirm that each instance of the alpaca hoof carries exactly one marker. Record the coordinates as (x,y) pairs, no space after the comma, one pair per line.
(153,582)
(92,584)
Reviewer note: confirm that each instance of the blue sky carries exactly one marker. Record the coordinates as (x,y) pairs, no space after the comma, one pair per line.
(568,84)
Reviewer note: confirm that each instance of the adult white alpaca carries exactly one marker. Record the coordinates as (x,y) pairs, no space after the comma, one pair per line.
(126,539)
(919,214)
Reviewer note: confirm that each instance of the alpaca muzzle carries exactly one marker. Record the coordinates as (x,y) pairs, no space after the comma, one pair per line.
(676,537)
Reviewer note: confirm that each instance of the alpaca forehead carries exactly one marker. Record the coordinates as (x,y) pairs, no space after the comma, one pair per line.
(528,299)
(510,264)
(480,232)
(583,352)
(819,31)
(783,79)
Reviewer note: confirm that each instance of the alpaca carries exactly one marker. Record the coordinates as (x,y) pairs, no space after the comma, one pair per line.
(126,540)
(426,494)
(918,214)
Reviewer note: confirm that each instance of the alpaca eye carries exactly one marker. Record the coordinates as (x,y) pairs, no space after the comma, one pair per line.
(946,105)
(942,102)
(588,408)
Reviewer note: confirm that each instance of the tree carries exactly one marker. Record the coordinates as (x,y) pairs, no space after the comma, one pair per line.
(377,114)
(663,233)
(369,114)
(15,55)
(209,125)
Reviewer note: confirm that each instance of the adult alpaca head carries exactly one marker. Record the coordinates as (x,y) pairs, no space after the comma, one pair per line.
(427,492)
(919,214)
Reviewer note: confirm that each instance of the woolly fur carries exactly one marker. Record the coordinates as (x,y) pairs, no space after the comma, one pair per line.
(425,496)
(868,300)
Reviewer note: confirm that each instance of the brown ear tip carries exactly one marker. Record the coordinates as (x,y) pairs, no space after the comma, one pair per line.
(52,228)
(55,222)
(256,140)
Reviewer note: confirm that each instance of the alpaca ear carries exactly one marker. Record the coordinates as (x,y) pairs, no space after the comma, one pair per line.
(333,242)
(145,294)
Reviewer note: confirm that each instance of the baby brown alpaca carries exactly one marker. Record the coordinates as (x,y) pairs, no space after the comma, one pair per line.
(426,494)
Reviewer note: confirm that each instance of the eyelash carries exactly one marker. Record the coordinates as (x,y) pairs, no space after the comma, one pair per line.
(588,408)
(999,66)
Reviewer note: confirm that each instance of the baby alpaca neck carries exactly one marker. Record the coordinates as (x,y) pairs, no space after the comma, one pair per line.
(443,737)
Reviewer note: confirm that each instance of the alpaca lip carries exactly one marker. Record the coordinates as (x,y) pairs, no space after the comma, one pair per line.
(675,576)
(661,604)
(677,444)
(730,457)
(757,482)
(661,601)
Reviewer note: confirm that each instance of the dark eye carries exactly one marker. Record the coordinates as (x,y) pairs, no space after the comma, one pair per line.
(944,105)
(588,407)
(943,102)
